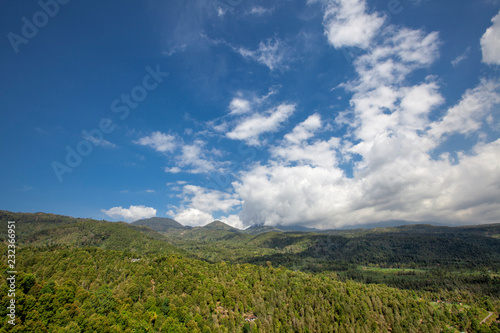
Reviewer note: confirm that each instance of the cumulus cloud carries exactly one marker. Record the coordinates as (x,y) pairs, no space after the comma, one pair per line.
(209,200)
(410,187)
(320,153)
(468,115)
(490,42)
(158,141)
(296,149)
(384,165)
(192,217)
(232,220)
(389,146)
(304,130)
(130,214)
(200,204)
(249,129)
(279,194)
(347,23)
(399,53)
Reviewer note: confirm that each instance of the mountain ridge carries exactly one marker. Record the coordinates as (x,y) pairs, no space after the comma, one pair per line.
(219,225)
(160,224)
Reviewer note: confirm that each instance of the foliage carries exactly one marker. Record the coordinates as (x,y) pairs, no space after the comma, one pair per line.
(81,275)
(97,290)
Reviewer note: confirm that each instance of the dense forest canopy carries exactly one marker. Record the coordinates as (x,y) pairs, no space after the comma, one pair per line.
(81,275)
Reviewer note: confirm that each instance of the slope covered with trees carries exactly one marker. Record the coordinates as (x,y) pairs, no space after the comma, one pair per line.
(82,275)
(160,224)
(65,289)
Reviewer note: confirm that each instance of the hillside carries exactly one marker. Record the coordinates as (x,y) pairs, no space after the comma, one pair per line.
(218,225)
(97,290)
(408,256)
(260,229)
(434,278)
(419,245)
(40,229)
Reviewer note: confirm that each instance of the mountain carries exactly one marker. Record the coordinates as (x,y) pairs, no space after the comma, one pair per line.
(29,223)
(41,229)
(160,224)
(297,227)
(258,229)
(83,275)
(386,224)
(218,225)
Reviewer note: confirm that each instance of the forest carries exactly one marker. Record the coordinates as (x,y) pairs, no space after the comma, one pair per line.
(83,275)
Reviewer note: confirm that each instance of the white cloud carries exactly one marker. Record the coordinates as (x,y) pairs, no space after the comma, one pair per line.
(99,142)
(158,141)
(209,200)
(467,116)
(305,130)
(455,62)
(400,52)
(196,159)
(192,158)
(221,12)
(406,184)
(391,135)
(192,217)
(347,23)
(320,153)
(130,214)
(384,166)
(260,11)
(415,104)
(295,148)
(200,204)
(490,42)
(173,170)
(239,106)
(273,53)
(232,220)
(249,129)
(277,194)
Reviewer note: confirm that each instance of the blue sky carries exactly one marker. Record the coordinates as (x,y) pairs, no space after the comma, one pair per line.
(319,113)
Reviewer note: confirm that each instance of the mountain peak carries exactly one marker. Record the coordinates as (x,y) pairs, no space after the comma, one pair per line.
(160,224)
(218,225)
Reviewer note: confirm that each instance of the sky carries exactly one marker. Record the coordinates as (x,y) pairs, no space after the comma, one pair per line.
(324,114)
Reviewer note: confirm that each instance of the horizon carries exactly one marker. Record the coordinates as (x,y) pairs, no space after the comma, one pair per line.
(324,114)
(291,228)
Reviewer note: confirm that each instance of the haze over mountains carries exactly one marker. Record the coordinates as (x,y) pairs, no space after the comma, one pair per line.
(162,224)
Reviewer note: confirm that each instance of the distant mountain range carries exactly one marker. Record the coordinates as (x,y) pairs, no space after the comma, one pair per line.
(389,223)
(295,246)
(164,224)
